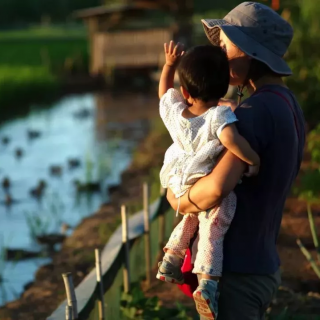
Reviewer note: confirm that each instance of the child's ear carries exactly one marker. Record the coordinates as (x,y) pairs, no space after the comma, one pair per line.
(184,92)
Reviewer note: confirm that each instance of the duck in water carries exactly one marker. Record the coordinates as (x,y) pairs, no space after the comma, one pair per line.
(56,170)
(5,140)
(19,153)
(6,183)
(38,191)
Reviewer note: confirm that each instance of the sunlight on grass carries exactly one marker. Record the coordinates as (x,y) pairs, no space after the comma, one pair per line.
(50,32)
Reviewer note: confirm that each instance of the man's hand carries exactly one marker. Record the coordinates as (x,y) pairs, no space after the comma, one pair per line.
(252,171)
(229,103)
(173,53)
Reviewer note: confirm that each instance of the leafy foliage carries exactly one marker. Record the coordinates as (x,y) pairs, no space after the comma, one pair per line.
(309,186)
(308,190)
(136,306)
(21,12)
(314,144)
(303,55)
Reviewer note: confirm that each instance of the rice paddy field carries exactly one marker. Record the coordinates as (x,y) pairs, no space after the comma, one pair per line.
(32,62)
(40,46)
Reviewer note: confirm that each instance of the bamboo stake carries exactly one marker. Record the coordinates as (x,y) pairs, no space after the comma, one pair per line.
(161,222)
(68,313)
(100,283)
(309,258)
(313,230)
(162,227)
(71,295)
(125,241)
(147,244)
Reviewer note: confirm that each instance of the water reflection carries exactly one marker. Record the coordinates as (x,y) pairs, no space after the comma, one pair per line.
(98,133)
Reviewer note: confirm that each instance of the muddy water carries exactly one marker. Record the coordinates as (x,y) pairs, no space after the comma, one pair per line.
(98,131)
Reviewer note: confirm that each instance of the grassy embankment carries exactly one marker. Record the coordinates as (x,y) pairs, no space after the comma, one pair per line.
(33,61)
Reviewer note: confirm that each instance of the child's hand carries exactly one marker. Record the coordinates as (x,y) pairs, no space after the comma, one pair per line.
(252,171)
(229,103)
(173,53)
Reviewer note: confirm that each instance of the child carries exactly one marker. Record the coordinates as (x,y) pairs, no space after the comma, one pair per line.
(200,130)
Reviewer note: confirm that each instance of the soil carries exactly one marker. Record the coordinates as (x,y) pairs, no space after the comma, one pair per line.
(43,296)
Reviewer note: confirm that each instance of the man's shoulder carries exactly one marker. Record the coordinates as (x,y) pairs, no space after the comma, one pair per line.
(262,104)
(251,108)
(255,121)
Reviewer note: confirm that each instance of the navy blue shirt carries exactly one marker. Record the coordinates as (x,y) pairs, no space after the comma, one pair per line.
(271,127)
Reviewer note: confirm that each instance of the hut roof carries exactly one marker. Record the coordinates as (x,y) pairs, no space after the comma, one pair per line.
(110,9)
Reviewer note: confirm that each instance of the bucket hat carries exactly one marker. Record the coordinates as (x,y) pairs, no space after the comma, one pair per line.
(258,31)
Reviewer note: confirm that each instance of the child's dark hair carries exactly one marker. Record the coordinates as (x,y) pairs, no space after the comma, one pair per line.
(204,73)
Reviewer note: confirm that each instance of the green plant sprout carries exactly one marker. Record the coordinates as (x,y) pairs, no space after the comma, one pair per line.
(89,166)
(135,305)
(50,216)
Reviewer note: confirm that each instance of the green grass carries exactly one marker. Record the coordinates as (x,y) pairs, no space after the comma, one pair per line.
(45,46)
(33,61)
(49,32)
(21,86)
(41,52)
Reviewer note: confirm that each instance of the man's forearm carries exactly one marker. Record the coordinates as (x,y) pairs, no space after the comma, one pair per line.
(209,191)
(198,201)
(200,197)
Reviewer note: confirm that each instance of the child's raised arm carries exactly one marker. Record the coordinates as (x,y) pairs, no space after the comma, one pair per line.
(240,147)
(173,54)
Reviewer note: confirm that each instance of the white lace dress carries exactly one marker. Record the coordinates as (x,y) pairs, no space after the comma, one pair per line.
(196,145)
(192,155)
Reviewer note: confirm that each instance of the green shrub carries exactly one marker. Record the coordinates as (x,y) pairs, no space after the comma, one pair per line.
(20,85)
(136,306)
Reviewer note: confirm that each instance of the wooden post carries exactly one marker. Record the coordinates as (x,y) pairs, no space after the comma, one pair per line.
(71,295)
(100,283)
(68,312)
(125,241)
(147,244)
(162,227)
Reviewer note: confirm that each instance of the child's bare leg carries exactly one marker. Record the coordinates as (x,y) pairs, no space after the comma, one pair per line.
(170,267)
(208,277)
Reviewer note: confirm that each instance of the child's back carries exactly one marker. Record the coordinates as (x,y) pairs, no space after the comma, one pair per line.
(196,143)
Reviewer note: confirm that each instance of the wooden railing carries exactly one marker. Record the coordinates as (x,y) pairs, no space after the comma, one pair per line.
(127,257)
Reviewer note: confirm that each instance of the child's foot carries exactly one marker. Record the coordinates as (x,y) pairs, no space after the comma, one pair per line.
(169,273)
(206,299)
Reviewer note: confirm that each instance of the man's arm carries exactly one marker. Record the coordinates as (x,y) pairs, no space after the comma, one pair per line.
(211,189)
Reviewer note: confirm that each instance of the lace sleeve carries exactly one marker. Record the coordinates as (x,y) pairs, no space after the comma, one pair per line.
(171,104)
(223,116)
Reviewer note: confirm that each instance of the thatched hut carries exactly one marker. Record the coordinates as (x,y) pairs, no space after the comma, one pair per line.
(131,36)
